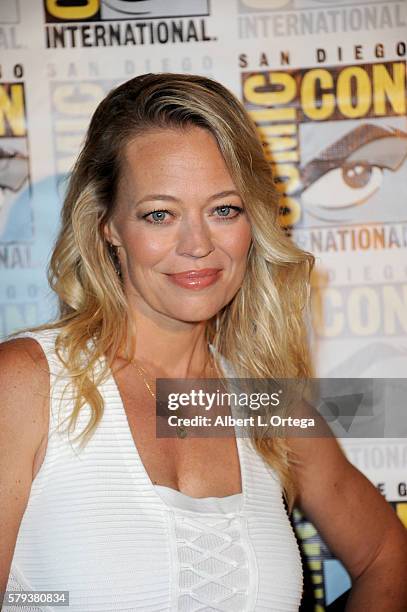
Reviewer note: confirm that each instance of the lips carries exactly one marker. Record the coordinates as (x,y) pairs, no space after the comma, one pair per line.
(195,279)
(195,273)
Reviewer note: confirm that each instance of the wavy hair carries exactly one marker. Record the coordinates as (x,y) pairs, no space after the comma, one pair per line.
(261,331)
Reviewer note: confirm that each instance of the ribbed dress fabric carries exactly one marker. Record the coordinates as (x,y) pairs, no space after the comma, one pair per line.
(96,526)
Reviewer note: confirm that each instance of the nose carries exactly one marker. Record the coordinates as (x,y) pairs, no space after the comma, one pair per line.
(194,239)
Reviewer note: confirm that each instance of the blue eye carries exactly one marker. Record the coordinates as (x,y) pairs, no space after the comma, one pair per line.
(158,216)
(225,210)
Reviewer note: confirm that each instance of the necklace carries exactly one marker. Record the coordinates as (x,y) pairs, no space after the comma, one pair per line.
(181,431)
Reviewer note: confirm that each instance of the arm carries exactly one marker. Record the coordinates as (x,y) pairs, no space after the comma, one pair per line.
(24,391)
(356,522)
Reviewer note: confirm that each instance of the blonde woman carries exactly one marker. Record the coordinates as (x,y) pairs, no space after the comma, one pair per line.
(170,264)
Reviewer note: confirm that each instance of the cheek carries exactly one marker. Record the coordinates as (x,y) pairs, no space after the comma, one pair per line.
(144,248)
(237,243)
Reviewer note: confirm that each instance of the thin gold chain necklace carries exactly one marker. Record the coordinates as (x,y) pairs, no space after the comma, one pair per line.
(180,429)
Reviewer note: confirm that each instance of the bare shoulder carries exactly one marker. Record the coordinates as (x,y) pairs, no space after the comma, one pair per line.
(19,348)
(24,401)
(24,353)
(23,360)
(24,389)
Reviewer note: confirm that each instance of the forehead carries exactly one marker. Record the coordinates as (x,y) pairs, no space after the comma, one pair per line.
(187,158)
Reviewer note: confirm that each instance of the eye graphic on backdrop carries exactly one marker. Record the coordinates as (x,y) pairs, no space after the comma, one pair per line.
(122,9)
(348,185)
(130,7)
(351,170)
(14,171)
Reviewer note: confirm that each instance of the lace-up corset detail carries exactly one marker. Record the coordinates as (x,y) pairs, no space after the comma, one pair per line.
(213,563)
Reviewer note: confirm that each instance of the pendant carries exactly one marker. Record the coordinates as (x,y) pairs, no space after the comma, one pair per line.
(181,431)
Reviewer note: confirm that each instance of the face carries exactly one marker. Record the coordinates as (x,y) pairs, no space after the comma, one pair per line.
(181,226)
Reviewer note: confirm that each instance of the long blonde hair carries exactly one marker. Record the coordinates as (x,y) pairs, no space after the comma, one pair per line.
(261,332)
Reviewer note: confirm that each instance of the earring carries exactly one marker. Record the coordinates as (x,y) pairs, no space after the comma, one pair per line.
(113,250)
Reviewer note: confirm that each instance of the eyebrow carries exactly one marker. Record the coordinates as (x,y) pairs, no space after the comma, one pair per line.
(168,198)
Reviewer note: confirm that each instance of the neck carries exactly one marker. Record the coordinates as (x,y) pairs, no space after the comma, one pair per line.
(173,351)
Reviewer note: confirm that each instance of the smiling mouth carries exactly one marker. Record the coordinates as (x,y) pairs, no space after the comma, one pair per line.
(195,279)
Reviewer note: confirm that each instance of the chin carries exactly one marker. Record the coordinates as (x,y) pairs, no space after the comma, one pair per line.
(194,317)
(193,314)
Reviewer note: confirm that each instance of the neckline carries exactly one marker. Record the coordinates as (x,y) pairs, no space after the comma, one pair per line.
(203,505)
(134,462)
(176,492)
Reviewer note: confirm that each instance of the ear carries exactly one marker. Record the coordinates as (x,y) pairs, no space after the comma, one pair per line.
(110,232)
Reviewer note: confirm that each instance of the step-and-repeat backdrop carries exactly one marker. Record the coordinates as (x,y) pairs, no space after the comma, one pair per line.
(324,80)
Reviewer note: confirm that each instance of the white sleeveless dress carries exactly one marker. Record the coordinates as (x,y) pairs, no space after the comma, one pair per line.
(96,526)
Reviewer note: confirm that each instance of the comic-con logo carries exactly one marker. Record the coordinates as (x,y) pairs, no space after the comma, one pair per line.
(104,23)
(101,10)
(15,213)
(336,140)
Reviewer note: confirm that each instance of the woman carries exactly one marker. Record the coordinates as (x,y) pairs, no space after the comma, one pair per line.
(170,264)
